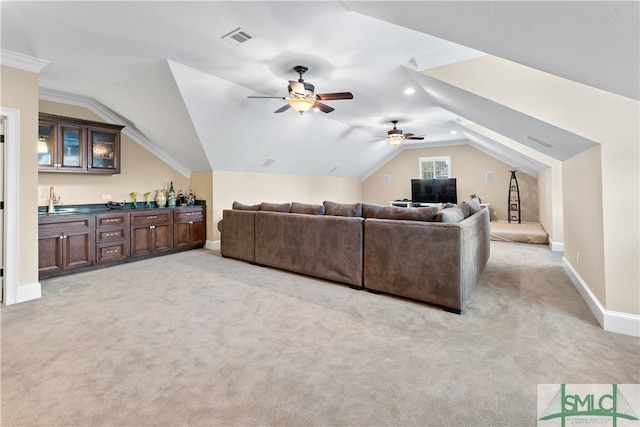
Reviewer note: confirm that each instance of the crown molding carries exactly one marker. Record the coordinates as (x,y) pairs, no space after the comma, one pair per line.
(112,117)
(22,62)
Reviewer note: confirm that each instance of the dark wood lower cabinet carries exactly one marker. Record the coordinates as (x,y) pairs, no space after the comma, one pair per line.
(80,242)
(65,245)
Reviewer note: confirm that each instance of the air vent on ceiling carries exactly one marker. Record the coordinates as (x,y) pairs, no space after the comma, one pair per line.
(236,37)
(268,163)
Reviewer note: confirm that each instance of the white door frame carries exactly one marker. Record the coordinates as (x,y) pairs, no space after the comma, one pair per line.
(11,148)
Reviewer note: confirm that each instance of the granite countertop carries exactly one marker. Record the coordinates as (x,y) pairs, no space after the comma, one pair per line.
(88,209)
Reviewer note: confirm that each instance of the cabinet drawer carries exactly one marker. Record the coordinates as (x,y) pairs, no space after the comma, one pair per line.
(188,216)
(111,252)
(72,222)
(151,218)
(111,220)
(111,235)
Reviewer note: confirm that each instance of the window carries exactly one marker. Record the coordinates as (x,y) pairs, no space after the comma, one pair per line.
(435,167)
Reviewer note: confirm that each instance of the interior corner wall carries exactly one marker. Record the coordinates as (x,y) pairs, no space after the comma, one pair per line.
(550,197)
(583,223)
(202,186)
(254,187)
(19,91)
(469,166)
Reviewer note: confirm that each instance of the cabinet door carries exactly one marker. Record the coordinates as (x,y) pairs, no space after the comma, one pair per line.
(46,145)
(181,235)
(70,147)
(49,252)
(198,233)
(140,241)
(104,150)
(162,238)
(77,249)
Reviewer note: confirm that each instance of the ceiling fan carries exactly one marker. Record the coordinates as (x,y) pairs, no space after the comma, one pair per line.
(395,135)
(302,96)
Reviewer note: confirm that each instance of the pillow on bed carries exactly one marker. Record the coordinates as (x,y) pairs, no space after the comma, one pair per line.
(275,207)
(341,209)
(240,207)
(305,208)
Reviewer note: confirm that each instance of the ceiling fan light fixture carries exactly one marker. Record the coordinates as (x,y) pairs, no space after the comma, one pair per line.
(301,105)
(395,139)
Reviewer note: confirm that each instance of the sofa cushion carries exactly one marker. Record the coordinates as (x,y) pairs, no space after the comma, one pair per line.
(450,215)
(342,209)
(394,212)
(275,207)
(305,208)
(475,204)
(242,207)
(465,208)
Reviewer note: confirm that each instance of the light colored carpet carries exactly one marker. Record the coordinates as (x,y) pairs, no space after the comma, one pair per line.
(196,339)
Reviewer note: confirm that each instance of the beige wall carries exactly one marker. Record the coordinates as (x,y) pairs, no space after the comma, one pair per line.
(19,91)
(551,205)
(583,219)
(253,188)
(468,166)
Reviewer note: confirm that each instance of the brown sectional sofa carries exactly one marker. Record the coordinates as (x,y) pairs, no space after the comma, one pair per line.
(431,255)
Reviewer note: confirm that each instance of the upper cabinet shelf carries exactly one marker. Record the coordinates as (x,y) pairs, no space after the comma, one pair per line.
(66,144)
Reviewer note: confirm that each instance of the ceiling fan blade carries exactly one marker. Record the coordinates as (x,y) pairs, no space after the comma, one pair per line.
(419,138)
(271,97)
(377,140)
(282,109)
(334,96)
(323,107)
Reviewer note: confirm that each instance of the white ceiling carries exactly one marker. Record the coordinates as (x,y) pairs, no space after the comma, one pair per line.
(164,67)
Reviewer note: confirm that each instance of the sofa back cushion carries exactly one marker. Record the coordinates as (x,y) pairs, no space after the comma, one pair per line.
(275,207)
(450,215)
(237,206)
(394,212)
(342,209)
(305,208)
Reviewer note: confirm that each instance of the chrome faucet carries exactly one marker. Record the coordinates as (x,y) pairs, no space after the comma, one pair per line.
(53,200)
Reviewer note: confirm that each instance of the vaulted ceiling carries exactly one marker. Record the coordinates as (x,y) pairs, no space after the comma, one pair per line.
(166,71)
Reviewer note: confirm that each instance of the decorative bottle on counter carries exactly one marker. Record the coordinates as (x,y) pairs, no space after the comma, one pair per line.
(172,196)
(161,198)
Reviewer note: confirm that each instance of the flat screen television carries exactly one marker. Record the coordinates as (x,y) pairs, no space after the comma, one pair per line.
(436,190)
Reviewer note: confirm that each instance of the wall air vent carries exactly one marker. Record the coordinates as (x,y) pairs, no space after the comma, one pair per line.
(236,37)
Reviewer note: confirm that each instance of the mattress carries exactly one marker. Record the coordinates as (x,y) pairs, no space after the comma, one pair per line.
(528,232)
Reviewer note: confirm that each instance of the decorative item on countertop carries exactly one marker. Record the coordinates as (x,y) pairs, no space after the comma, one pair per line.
(191,198)
(161,198)
(147,203)
(115,205)
(172,196)
(134,199)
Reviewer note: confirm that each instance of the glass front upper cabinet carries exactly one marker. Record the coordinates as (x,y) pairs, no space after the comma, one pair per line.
(104,146)
(67,144)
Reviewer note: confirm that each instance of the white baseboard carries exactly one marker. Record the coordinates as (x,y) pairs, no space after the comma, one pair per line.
(611,321)
(213,245)
(556,246)
(28,292)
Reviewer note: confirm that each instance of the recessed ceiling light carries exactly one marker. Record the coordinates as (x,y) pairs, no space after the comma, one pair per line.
(453,132)
(409,91)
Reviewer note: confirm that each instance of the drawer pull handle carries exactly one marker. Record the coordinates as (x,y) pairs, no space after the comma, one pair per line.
(152,226)
(190,222)
(152,217)
(114,251)
(112,220)
(111,234)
